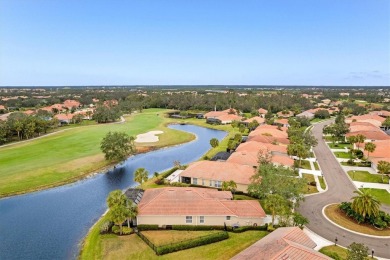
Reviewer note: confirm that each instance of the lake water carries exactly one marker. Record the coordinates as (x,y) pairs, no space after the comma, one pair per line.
(50,224)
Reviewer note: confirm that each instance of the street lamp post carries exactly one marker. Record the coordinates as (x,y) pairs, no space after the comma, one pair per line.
(335,241)
(372,253)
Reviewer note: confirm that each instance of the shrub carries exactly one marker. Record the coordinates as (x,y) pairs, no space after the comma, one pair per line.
(246,228)
(333,255)
(105,227)
(115,229)
(195,228)
(192,243)
(126,231)
(312,183)
(179,184)
(159,181)
(147,227)
(270,228)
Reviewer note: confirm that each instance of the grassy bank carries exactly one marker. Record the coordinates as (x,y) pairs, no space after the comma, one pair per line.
(382,195)
(69,155)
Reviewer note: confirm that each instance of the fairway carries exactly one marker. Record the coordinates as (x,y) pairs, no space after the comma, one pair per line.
(69,155)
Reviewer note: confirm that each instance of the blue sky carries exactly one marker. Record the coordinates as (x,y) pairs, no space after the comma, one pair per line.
(73,42)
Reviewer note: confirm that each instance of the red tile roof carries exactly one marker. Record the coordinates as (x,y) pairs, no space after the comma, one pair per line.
(260,120)
(284,243)
(262,111)
(271,130)
(221,171)
(281,121)
(252,146)
(373,119)
(268,139)
(71,103)
(2,107)
(171,201)
(382,149)
(252,158)
(64,117)
(371,134)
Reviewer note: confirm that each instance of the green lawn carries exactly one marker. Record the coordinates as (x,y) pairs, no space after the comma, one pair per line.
(343,155)
(69,155)
(332,251)
(339,145)
(382,195)
(322,182)
(316,166)
(132,247)
(365,176)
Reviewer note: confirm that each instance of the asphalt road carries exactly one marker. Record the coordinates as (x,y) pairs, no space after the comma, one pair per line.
(340,188)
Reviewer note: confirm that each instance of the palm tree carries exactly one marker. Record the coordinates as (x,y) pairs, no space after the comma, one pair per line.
(116,198)
(229,185)
(141,175)
(276,204)
(132,211)
(369,147)
(118,215)
(360,139)
(365,204)
(383,168)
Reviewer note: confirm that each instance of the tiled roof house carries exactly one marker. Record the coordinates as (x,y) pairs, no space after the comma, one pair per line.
(284,243)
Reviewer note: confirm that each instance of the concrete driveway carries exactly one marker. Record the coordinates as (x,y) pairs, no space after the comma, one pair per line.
(340,188)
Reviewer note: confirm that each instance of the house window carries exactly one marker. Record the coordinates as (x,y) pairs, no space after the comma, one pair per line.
(201,219)
(227,217)
(211,183)
(219,184)
(203,182)
(195,181)
(188,219)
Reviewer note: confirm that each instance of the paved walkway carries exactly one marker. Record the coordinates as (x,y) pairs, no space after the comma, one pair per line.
(340,188)
(382,186)
(357,168)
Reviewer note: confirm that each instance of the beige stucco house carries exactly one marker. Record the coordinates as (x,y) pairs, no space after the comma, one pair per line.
(197,206)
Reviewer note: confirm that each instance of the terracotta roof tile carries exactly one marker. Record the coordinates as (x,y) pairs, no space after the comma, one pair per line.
(182,201)
(221,171)
(284,243)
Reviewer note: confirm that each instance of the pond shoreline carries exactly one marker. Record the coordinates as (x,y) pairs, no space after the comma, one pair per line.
(102,170)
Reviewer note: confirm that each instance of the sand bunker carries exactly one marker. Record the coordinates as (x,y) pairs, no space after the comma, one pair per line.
(149,137)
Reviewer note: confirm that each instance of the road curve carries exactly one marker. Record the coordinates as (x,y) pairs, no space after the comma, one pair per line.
(340,188)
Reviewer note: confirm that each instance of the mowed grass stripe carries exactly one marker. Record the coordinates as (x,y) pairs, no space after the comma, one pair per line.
(66,156)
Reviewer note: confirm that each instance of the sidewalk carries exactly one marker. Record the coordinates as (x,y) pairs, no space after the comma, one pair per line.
(371,185)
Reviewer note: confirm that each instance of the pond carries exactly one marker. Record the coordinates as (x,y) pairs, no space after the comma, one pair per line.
(51,224)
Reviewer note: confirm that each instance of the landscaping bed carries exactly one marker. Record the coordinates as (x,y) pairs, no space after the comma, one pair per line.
(357,164)
(339,145)
(311,184)
(337,252)
(335,214)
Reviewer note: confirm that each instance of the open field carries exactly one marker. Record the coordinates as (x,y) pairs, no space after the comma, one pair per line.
(365,176)
(160,238)
(382,195)
(337,216)
(69,155)
(132,247)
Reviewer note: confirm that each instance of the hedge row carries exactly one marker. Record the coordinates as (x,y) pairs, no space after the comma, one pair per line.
(161,250)
(246,228)
(194,228)
(147,227)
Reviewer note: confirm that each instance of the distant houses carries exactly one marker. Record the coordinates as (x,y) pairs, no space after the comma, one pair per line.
(222,117)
